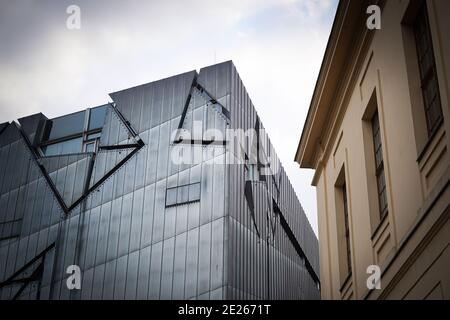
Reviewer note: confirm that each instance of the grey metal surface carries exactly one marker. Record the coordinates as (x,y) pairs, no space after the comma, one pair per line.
(107,212)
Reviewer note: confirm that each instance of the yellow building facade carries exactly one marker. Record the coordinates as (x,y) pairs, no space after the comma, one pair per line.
(377,135)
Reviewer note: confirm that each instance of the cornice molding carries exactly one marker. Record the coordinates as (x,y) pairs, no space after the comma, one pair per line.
(341,90)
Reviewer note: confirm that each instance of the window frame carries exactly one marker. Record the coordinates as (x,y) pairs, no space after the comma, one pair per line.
(427,77)
(343,227)
(380,173)
(185,200)
(346,228)
(90,142)
(84,135)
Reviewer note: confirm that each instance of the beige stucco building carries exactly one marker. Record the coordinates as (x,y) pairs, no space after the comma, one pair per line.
(378,137)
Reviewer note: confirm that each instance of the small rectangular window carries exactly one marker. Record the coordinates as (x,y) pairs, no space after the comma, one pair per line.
(379,166)
(343,228)
(183,194)
(97,117)
(347,229)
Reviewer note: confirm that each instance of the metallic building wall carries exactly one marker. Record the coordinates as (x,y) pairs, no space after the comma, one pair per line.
(264,264)
(106,212)
(27,200)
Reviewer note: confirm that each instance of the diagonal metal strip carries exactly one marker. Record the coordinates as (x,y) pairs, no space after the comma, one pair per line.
(106,176)
(42,169)
(187,102)
(248,193)
(224,112)
(35,275)
(208,97)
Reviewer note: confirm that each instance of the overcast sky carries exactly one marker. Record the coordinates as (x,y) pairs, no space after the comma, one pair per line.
(276,45)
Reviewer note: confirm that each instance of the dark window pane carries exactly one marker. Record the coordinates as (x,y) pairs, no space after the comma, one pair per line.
(430,93)
(379,164)
(72,146)
(347,229)
(378,159)
(90,147)
(183,194)
(94,136)
(427,62)
(383,201)
(171,197)
(97,117)
(194,192)
(51,150)
(65,147)
(382,181)
(67,125)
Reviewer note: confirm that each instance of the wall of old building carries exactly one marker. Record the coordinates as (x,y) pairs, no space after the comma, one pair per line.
(411,244)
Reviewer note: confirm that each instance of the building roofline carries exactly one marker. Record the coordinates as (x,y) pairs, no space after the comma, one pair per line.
(329,51)
(345,34)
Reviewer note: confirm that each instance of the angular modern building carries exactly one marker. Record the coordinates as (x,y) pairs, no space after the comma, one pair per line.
(171,191)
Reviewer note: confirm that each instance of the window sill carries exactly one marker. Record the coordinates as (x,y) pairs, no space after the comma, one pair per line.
(345,283)
(430,141)
(178,204)
(380,224)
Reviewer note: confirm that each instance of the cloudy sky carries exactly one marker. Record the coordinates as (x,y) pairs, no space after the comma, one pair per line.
(276,45)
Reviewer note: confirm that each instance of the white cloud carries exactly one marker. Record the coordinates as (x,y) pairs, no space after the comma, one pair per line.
(277,46)
(317,8)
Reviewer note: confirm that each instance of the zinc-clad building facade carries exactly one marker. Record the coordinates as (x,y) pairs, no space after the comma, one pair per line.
(100,189)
